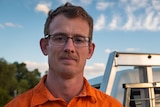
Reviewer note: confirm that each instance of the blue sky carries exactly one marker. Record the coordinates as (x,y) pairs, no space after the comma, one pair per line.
(119,25)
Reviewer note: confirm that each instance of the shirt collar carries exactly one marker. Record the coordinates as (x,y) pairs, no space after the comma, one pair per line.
(87,91)
(41,92)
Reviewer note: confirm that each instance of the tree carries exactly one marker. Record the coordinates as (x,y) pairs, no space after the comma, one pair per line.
(8,81)
(15,79)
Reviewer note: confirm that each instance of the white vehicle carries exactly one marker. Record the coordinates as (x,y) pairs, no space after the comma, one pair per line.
(137,87)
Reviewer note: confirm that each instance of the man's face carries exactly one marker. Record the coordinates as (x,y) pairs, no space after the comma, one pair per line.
(67,60)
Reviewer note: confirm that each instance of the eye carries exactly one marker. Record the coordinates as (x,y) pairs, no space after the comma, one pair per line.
(79,39)
(59,38)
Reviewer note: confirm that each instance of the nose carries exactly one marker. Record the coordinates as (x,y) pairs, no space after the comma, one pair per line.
(69,46)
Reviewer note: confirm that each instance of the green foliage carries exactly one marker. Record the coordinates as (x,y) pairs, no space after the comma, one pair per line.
(15,79)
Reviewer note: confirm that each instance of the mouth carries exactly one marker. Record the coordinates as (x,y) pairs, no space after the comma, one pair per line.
(68,60)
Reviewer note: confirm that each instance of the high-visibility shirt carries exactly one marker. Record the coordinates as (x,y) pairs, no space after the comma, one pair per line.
(40,96)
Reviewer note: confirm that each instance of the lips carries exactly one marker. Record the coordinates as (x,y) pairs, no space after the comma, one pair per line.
(68,59)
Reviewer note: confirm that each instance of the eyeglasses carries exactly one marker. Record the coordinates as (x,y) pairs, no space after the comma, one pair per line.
(61,39)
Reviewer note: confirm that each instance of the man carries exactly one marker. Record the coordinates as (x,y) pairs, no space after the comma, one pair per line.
(68,44)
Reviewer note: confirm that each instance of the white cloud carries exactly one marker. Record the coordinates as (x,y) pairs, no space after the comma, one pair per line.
(149,21)
(156,5)
(43,7)
(10,24)
(108,51)
(100,23)
(131,15)
(64,1)
(152,21)
(103,5)
(123,1)
(95,70)
(132,49)
(114,23)
(133,5)
(139,3)
(42,67)
(129,25)
(86,2)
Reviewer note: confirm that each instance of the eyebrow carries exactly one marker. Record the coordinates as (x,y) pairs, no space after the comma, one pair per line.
(65,34)
(58,33)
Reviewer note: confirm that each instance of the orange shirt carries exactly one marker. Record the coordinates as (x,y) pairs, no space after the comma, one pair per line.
(40,96)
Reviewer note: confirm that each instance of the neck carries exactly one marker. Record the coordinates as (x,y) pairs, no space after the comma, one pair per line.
(64,88)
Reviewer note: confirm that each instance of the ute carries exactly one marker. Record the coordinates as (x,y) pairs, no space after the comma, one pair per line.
(137,87)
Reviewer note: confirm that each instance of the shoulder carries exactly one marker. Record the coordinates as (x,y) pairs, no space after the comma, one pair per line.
(27,98)
(105,99)
(21,100)
(101,97)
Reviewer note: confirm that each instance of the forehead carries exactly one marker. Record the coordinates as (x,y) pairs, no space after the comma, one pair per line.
(69,25)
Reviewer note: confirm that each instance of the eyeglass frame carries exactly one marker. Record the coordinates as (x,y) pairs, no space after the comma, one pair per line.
(87,39)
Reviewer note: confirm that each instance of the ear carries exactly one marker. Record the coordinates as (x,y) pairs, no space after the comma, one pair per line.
(91,50)
(43,45)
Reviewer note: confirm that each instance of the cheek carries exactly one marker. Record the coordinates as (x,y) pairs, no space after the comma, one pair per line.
(53,56)
(84,55)
(53,52)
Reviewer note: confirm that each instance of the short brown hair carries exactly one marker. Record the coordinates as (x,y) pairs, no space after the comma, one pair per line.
(70,11)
